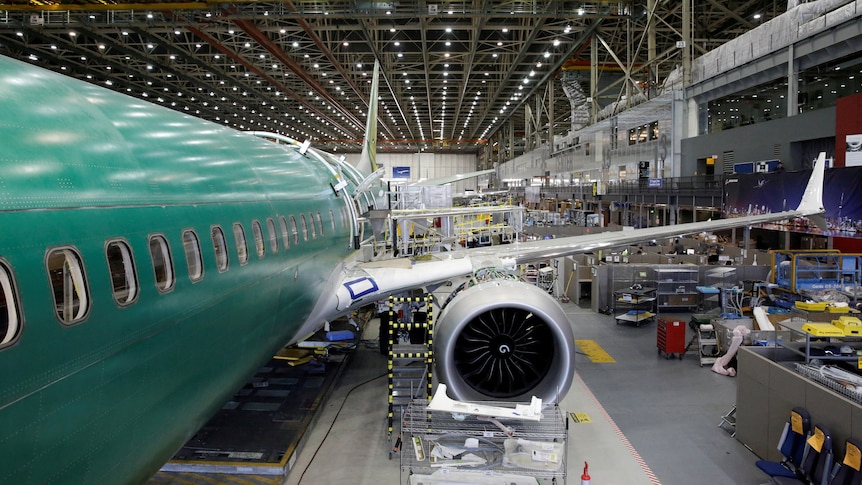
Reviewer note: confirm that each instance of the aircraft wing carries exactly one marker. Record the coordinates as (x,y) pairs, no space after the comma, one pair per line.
(363,283)
(453,178)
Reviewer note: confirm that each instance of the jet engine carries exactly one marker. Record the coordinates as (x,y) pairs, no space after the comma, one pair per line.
(504,340)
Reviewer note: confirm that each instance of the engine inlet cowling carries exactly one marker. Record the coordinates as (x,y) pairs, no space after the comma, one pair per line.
(504,340)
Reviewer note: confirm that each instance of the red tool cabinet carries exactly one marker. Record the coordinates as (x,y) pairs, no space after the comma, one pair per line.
(670,338)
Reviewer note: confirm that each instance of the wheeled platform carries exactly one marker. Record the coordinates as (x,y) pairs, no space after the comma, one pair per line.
(257,432)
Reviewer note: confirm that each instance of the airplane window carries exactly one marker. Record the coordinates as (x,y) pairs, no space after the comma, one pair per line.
(319,223)
(163,265)
(220,248)
(304,227)
(258,238)
(124,280)
(332,219)
(285,234)
(66,274)
(10,315)
(313,228)
(241,247)
(273,237)
(293,230)
(192,246)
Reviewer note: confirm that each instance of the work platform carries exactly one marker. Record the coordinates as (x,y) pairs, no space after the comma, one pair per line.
(255,436)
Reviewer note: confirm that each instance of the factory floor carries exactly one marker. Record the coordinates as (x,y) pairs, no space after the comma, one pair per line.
(642,418)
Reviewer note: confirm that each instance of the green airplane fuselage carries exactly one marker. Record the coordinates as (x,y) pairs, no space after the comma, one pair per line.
(110,398)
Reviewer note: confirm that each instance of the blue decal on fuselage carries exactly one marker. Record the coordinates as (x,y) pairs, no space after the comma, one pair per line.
(361,287)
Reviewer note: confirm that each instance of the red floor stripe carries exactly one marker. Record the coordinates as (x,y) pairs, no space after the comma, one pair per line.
(621,436)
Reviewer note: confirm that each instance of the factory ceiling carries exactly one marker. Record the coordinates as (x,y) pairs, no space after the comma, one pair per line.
(455,74)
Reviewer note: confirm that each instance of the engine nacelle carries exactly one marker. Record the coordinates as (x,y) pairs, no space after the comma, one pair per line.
(504,340)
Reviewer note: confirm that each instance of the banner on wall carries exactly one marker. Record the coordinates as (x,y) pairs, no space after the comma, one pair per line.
(759,193)
(401,172)
(853,151)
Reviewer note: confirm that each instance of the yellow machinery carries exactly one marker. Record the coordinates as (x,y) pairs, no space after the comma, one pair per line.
(795,271)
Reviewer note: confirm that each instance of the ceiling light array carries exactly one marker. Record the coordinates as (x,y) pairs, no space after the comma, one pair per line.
(445,74)
(288,122)
(281,125)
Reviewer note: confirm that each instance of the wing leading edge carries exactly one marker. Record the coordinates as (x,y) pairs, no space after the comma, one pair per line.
(454,178)
(366,282)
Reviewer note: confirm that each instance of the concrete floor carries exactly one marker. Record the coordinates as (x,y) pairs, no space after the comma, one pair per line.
(653,420)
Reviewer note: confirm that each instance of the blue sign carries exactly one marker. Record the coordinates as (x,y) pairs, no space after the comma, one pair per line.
(401,172)
(654,183)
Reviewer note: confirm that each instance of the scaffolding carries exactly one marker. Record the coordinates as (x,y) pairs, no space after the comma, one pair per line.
(419,231)
(410,355)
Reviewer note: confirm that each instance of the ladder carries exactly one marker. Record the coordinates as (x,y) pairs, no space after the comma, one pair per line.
(728,422)
(410,364)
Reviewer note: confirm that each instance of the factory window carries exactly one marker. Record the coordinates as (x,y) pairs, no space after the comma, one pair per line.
(293,230)
(319,223)
(332,219)
(66,275)
(220,248)
(304,227)
(258,238)
(163,266)
(273,237)
(285,234)
(756,104)
(10,315)
(124,281)
(241,246)
(194,261)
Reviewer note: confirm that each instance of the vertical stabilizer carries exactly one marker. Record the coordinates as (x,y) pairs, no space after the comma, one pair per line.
(368,160)
(812,198)
(811,204)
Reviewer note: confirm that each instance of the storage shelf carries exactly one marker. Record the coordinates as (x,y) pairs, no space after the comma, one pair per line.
(676,288)
(800,343)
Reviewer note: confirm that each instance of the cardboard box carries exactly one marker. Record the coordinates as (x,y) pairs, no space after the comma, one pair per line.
(680,300)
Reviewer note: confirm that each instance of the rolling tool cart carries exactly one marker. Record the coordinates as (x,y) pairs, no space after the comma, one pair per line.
(670,337)
(634,305)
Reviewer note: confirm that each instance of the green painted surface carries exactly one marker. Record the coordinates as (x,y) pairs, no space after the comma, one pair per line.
(109,400)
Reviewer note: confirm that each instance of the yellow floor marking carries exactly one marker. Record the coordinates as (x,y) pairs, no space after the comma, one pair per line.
(581,418)
(594,351)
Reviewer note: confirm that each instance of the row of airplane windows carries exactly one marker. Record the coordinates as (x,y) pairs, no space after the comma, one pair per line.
(68,280)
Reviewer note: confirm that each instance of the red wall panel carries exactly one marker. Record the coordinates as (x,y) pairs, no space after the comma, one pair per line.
(848,121)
